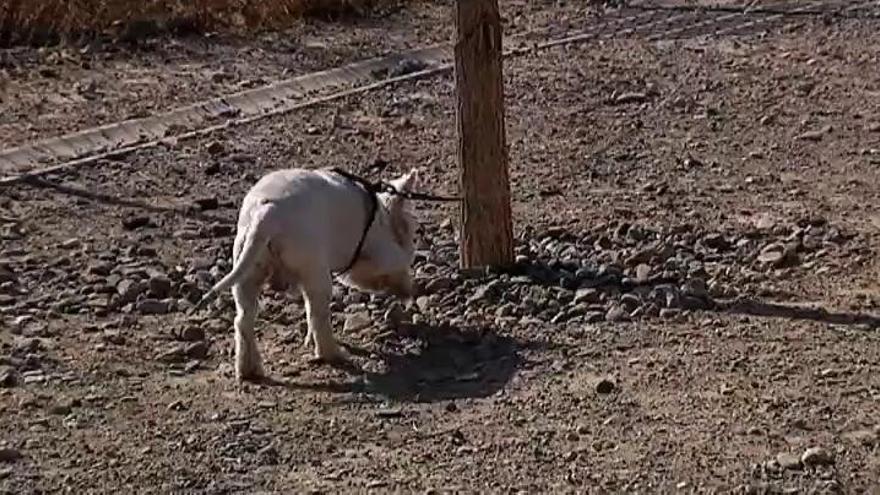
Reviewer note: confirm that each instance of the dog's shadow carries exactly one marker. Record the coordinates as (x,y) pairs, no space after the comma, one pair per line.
(426,363)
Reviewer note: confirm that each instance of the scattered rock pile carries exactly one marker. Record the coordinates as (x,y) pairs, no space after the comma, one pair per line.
(616,272)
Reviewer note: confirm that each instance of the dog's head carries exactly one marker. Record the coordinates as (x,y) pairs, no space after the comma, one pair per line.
(400,211)
(387,265)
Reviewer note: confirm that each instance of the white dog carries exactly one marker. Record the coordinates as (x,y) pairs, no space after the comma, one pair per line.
(301,226)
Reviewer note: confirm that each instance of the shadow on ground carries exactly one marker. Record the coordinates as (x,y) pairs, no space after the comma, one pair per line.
(426,363)
(753,307)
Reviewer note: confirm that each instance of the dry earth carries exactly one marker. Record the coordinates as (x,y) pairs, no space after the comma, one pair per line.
(694,308)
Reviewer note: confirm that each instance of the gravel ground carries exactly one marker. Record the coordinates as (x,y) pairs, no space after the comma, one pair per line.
(694,306)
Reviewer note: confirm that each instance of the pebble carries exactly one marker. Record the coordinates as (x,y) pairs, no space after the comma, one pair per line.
(214,148)
(605,386)
(8,454)
(486,292)
(440,284)
(129,290)
(136,222)
(206,204)
(773,255)
(192,334)
(630,302)
(616,314)
(423,303)
(357,321)
(789,462)
(196,350)
(816,456)
(389,413)
(631,97)
(159,286)
(8,378)
(587,295)
(60,410)
(594,317)
(815,135)
(152,307)
(669,313)
(100,268)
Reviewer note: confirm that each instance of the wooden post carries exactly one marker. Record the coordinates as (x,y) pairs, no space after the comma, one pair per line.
(486,237)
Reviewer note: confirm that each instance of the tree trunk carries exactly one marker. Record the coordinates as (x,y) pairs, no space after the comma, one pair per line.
(486,224)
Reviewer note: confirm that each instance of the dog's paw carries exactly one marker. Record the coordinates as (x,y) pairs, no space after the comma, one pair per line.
(331,355)
(251,377)
(249,371)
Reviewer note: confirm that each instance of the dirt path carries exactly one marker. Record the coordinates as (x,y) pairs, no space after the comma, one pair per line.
(673,199)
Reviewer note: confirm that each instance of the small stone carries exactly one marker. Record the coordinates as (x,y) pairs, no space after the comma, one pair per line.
(559,318)
(814,135)
(643,272)
(214,147)
(695,287)
(219,77)
(175,354)
(669,313)
(192,366)
(789,461)
(60,410)
(440,284)
(152,307)
(192,334)
(632,97)
(630,302)
(159,286)
(136,222)
(772,255)
(605,386)
(196,350)
(389,413)
(588,295)
(100,268)
(594,317)
(357,321)
(268,454)
(484,293)
(129,290)
(816,456)
(616,313)
(8,378)
(8,455)
(423,303)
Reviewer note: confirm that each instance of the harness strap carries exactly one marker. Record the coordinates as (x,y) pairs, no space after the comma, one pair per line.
(371,217)
(372,189)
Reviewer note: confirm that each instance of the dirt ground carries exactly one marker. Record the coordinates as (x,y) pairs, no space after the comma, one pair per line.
(694,308)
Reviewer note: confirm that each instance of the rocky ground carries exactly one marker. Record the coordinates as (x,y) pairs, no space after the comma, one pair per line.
(694,306)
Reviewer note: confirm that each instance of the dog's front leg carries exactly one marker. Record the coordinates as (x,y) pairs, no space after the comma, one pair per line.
(317,290)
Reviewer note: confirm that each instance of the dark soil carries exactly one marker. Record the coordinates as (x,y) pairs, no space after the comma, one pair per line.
(694,307)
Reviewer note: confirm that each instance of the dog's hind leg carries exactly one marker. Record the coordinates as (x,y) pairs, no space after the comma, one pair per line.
(248,363)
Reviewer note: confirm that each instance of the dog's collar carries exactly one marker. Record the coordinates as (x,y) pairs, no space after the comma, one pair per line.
(370,189)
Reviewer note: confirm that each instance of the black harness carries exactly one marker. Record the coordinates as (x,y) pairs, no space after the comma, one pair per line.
(373,189)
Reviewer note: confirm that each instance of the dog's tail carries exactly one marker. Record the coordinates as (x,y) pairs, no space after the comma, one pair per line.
(254,242)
